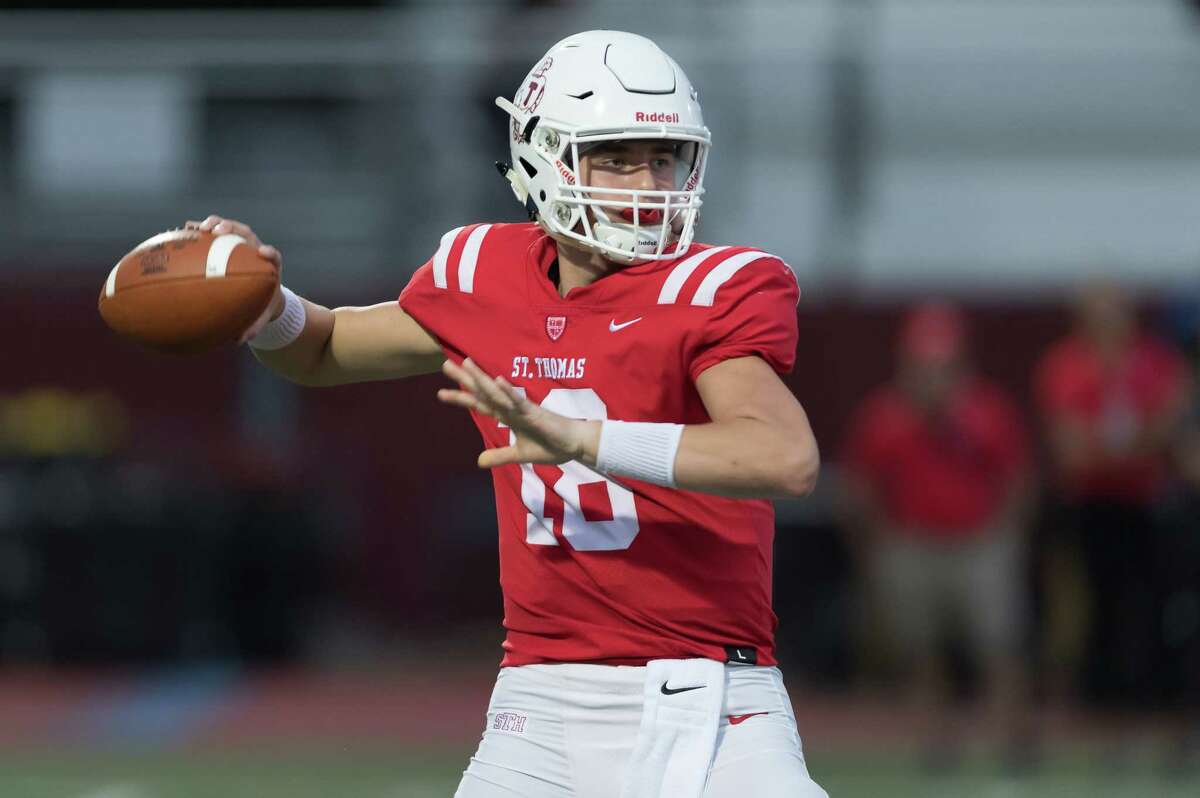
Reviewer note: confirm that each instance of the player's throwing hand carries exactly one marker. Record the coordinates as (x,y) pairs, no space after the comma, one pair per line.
(218,225)
(541,436)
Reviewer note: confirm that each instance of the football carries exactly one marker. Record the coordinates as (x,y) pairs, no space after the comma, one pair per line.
(187,291)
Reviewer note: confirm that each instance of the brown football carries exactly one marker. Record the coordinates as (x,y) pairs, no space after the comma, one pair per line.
(186,291)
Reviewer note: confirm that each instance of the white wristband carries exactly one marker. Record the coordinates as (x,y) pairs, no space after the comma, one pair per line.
(285,329)
(639,450)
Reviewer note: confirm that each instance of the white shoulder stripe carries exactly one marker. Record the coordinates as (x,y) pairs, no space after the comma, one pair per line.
(218,254)
(706,294)
(470,257)
(682,271)
(439,257)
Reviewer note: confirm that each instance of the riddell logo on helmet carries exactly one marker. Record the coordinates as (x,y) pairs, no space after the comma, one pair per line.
(655,116)
(565,172)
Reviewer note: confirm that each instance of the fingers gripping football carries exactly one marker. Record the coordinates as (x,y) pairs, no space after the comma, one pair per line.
(541,436)
(221,226)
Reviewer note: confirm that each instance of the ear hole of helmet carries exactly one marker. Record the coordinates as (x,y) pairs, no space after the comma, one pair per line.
(551,140)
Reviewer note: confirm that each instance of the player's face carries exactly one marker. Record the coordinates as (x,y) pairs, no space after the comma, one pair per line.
(635,165)
(650,165)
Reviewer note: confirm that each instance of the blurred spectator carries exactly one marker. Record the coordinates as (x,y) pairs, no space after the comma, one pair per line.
(937,474)
(1179,568)
(1111,396)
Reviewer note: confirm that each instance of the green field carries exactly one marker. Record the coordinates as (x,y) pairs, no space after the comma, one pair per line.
(329,774)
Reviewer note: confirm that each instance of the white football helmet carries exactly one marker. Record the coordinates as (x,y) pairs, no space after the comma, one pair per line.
(603,86)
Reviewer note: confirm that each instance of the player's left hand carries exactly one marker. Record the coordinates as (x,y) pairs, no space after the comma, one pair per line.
(541,435)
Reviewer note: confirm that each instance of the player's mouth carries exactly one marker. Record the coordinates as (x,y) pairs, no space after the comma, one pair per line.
(643,215)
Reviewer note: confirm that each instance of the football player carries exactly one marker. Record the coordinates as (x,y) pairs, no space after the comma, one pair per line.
(625,380)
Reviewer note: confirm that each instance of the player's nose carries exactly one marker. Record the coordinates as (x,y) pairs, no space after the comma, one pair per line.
(642,179)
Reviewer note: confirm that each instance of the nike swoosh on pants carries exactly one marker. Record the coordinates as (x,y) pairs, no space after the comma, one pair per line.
(736,719)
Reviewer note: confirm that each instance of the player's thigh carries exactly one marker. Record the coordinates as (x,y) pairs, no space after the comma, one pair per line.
(761,757)
(530,764)
(486,780)
(523,749)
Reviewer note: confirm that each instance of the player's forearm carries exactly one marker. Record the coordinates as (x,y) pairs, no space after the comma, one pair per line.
(305,360)
(355,344)
(744,458)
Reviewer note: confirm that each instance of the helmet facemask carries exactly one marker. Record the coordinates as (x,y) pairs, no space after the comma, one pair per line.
(638,224)
(625,225)
(602,88)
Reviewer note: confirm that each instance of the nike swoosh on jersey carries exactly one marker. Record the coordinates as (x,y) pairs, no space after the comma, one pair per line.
(613,326)
(736,719)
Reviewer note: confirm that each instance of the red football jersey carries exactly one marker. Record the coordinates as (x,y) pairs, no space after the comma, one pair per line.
(614,570)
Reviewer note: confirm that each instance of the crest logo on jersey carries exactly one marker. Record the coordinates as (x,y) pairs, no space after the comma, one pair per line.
(556,326)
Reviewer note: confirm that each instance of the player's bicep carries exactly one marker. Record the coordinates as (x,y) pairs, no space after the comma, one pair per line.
(760,424)
(747,387)
(381,342)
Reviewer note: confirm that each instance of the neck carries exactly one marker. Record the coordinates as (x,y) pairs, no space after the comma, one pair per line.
(578,267)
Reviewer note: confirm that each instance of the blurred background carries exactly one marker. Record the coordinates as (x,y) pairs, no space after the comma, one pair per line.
(215,583)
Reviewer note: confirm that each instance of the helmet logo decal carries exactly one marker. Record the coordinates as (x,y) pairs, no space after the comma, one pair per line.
(566,173)
(655,116)
(535,89)
(556,326)
(529,96)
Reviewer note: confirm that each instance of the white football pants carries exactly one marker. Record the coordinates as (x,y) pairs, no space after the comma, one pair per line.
(569,731)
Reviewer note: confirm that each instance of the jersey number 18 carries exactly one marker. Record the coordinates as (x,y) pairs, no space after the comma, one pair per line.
(580,533)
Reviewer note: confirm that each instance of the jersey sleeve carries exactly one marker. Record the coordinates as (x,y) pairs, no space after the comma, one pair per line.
(753,314)
(444,284)
(419,297)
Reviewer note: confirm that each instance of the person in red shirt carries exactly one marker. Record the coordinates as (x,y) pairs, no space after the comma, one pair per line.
(625,381)
(936,476)
(1111,397)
